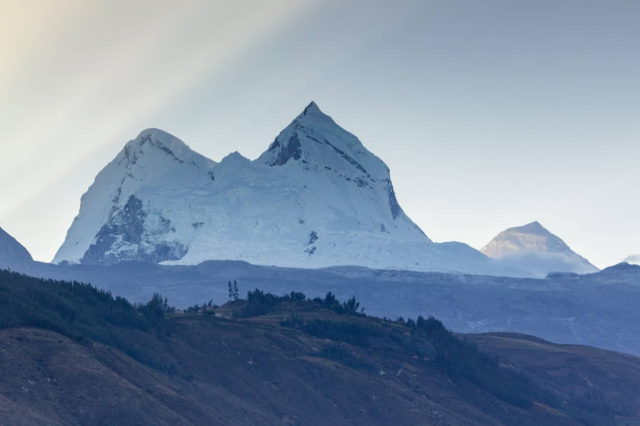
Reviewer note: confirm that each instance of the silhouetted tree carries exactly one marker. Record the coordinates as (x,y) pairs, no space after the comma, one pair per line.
(236,293)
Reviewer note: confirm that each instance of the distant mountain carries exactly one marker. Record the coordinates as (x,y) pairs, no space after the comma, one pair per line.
(13,255)
(315,198)
(622,272)
(598,309)
(634,259)
(533,248)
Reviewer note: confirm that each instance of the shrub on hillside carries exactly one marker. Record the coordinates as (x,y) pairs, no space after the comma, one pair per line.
(83,313)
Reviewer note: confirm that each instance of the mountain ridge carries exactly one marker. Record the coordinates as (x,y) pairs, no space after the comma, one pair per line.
(315,198)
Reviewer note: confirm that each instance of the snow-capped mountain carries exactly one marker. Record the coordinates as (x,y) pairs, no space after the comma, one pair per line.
(13,255)
(533,248)
(316,197)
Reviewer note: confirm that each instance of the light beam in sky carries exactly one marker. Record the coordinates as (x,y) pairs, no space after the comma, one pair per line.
(489,115)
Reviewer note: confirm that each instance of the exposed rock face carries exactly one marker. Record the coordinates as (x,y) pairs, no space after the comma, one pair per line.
(159,201)
(534,248)
(128,236)
(13,255)
(117,221)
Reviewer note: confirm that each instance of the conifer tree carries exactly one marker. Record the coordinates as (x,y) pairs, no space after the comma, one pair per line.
(236,293)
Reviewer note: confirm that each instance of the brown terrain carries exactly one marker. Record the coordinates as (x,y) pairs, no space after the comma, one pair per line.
(230,365)
(600,379)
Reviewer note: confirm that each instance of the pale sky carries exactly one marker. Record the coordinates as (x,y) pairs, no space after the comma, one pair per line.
(489,114)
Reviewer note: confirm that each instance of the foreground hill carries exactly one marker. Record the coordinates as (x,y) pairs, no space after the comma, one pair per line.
(74,355)
(598,309)
(571,368)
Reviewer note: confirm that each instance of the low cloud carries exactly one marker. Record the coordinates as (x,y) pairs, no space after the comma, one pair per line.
(634,259)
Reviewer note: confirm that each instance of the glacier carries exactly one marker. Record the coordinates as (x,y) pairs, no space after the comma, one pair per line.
(315,198)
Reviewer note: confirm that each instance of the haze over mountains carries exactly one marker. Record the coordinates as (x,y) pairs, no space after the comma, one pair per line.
(533,248)
(633,259)
(315,198)
(597,309)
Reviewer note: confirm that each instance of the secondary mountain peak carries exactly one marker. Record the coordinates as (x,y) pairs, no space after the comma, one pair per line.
(12,254)
(535,248)
(529,238)
(534,226)
(157,135)
(622,267)
(234,158)
(158,142)
(154,159)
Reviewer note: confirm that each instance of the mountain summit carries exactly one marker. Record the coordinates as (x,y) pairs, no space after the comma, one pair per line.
(315,140)
(534,248)
(316,197)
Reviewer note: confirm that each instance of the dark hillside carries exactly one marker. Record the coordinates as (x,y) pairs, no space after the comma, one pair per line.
(594,381)
(597,309)
(75,355)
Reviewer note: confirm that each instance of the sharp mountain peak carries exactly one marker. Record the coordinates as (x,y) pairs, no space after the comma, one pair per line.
(534,226)
(310,126)
(316,197)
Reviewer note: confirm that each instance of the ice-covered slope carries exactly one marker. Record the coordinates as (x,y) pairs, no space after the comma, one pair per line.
(533,248)
(317,197)
(13,255)
(113,224)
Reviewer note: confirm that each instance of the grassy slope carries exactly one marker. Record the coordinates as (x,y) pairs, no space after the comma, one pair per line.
(292,361)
